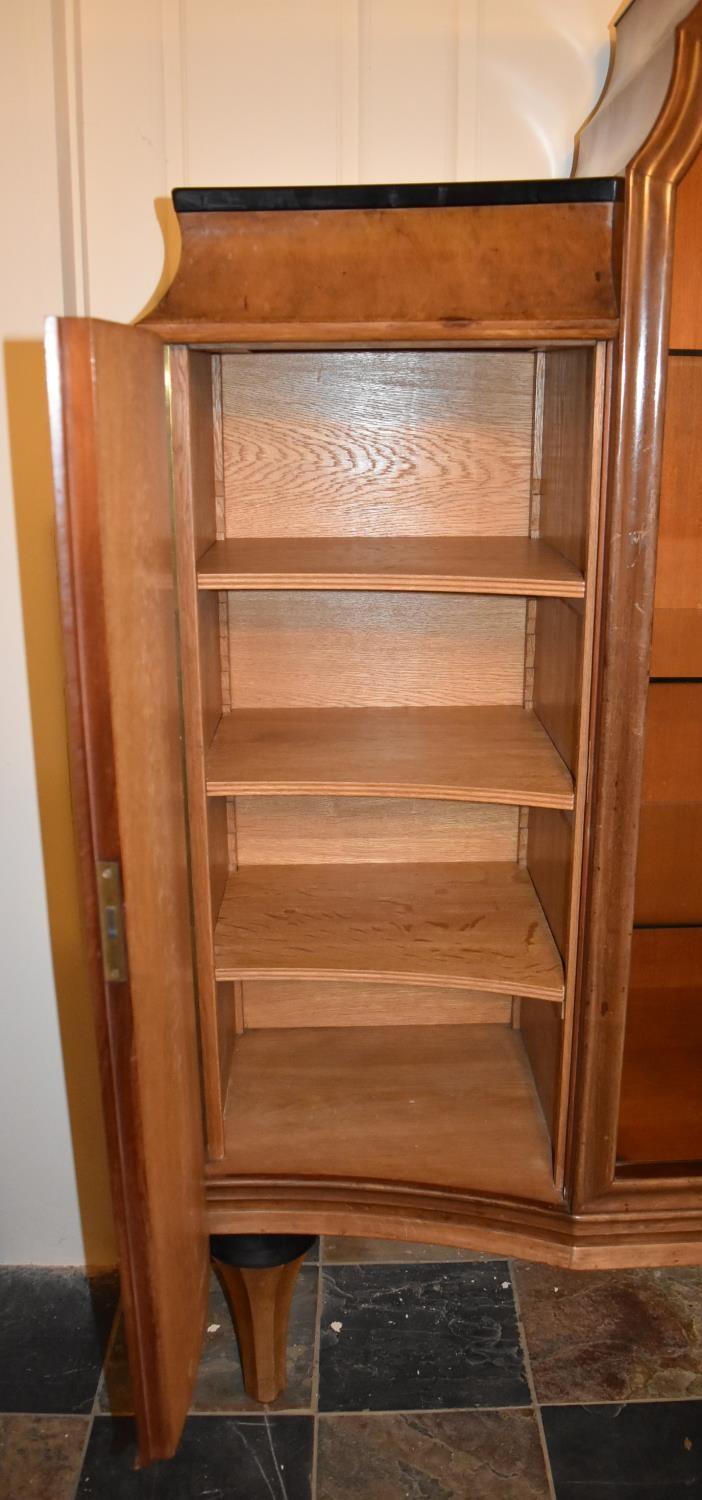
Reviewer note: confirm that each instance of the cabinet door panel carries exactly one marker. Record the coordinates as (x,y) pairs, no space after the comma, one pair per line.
(109,435)
(669,864)
(660,1118)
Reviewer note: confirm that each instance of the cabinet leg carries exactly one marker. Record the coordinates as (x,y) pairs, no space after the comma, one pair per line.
(258,1274)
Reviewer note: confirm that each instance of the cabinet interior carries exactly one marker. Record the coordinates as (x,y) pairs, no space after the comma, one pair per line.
(387,567)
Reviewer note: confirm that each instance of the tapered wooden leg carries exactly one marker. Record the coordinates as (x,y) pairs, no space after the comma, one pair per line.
(258,1275)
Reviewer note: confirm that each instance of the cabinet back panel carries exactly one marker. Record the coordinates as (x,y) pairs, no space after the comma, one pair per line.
(327,650)
(377,443)
(370,830)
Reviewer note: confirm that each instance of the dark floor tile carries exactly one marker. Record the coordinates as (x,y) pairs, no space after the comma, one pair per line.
(54,1325)
(612,1335)
(346,1251)
(642,1451)
(484,1455)
(222,1458)
(219,1387)
(419,1337)
(40,1456)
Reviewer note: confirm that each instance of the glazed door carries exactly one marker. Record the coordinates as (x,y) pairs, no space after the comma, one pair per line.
(111,460)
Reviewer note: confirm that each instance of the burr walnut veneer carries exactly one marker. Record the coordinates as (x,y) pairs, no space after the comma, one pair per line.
(384,690)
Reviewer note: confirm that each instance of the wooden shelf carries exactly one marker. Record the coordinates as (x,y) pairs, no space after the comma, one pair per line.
(485,754)
(441,564)
(449,1107)
(475,925)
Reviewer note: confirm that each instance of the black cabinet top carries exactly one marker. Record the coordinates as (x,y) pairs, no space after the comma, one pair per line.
(398,195)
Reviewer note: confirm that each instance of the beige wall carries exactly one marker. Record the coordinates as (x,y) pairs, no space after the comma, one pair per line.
(106,105)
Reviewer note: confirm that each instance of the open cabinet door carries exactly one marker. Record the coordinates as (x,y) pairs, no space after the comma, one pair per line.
(111,460)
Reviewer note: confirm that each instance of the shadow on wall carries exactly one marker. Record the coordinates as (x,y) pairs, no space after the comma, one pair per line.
(34,503)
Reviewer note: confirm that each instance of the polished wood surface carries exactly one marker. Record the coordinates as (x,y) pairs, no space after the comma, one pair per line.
(376,444)
(673,752)
(280,1003)
(677,621)
(669,864)
(371,830)
(461,565)
(661,1108)
(476,926)
(623,666)
(485,754)
(259,1301)
(107,401)
(452,1107)
(686,309)
(676,647)
(328,650)
(345,276)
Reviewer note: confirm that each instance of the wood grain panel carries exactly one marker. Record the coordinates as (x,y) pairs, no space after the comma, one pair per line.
(399,274)
(677,621)
(461,565)
(676,648)
(475,926)
(110,449)
(669,864)
(192,447)
(567,419)
(483,754)
(660,1117)
(550,865)
(673,746)
(378,443)
(280,1004)
(371,830)
(686,303)
(558,661)
(450,1107)
(327,650)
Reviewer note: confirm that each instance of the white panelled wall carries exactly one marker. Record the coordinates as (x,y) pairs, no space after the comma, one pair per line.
(107,105)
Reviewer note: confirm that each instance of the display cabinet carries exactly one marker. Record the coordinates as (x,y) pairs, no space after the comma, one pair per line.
(388,817)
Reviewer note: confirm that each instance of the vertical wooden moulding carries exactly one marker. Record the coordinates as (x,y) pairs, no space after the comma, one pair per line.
(574,404)
(195,505)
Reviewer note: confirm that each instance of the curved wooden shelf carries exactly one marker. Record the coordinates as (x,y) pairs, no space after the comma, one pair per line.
(452,1107)
(436,564)
(481,754)
(472,926)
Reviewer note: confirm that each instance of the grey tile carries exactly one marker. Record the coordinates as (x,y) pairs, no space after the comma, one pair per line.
(638,1451)
(221,1458)
(397,1338)
(40,1457)
(54,1326)
(347,1251)
(219,1387)
(612,1335)
(484,1455)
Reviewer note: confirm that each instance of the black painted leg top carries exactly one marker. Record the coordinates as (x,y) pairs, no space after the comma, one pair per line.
(258,1252)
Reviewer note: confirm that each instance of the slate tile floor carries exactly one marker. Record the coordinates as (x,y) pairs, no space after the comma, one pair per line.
(415,1374)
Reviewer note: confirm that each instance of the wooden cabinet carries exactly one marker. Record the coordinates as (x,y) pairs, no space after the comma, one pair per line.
(357,542)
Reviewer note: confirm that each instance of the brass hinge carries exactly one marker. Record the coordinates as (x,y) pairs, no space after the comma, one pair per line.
(114,951)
